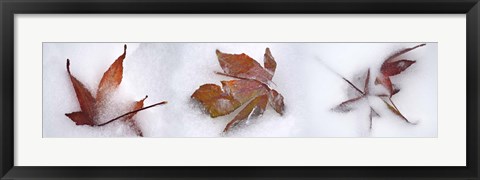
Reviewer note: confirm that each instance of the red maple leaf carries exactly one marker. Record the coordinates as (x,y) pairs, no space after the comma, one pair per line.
(390,67)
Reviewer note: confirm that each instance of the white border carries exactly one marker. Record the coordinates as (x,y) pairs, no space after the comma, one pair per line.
(33,150)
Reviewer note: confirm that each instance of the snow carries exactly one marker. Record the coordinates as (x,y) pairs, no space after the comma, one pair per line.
(305,76)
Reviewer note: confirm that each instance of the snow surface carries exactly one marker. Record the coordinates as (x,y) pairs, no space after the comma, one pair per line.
(304,76)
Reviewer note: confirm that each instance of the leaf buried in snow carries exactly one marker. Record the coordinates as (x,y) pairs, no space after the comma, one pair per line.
(112,78)
(216,102)
(85,99)
(243,66)
(255,108)
(251,86)
(390,67)
(89,105)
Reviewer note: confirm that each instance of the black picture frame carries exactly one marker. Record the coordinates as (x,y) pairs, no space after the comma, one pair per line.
(10,7)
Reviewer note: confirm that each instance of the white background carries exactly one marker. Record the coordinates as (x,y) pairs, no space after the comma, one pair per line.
(448,149)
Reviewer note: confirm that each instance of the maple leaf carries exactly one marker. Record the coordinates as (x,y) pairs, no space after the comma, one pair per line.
(390,67)
(90,106)
(250,87)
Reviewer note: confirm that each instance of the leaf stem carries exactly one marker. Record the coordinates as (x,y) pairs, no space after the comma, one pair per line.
(351,84)
(339,75)
(131,112)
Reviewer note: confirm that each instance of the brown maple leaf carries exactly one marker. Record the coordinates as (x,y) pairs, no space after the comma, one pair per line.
(90,106)
(250,86)
(390,67)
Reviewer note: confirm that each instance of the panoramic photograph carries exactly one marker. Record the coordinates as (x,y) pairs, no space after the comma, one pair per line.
(247,90)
